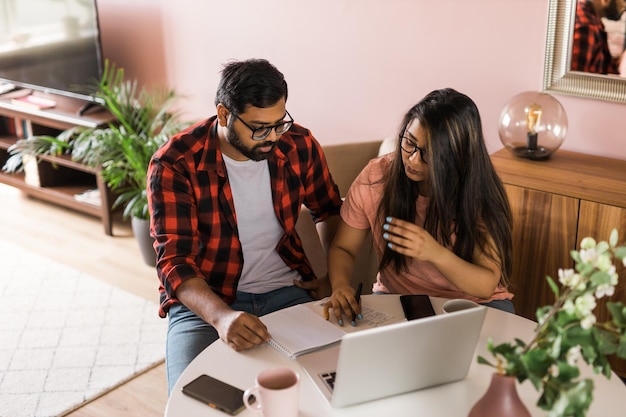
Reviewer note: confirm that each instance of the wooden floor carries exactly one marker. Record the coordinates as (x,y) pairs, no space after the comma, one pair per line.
(79,241)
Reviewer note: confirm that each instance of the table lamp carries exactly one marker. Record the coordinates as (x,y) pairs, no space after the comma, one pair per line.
(533,125)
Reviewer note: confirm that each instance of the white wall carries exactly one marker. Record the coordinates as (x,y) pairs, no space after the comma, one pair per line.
(355,66)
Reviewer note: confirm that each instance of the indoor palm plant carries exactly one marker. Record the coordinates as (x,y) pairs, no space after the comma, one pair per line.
(567,332)
(121,150)
(144,120)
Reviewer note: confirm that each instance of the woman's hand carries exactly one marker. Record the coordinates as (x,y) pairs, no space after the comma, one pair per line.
(343,303)
(410,240)
(478,278)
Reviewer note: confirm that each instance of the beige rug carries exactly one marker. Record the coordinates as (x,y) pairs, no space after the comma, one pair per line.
(67,338)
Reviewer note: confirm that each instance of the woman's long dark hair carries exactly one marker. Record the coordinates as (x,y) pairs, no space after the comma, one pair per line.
(467,197)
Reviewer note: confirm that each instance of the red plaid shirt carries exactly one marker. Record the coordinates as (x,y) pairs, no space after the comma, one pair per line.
(193,214)
(590,49)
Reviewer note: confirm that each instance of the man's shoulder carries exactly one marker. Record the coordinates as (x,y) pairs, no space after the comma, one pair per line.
(299,140)
(187,142)
(300,136)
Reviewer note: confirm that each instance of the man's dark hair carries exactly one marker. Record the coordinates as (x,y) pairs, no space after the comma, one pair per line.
(254,82)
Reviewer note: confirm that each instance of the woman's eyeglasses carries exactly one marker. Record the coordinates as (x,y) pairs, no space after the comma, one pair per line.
(260,133)
(409,146)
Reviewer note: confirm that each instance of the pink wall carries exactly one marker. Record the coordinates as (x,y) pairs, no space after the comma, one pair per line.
(355,66)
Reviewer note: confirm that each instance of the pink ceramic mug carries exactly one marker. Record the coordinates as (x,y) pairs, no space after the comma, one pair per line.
(276,391)
(458,304)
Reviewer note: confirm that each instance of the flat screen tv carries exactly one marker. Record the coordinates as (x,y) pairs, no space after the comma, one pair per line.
(51,46)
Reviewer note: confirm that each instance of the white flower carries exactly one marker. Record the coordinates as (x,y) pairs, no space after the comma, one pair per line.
(572,355)
(554,370)
(588,243)
(588,322)
(585,305)
(569,307)
(604,262)
(624,261)
(569,278)
(613,275)
(604,289)
(588,256)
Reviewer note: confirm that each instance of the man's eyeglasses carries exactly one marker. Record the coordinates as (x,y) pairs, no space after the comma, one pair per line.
(260,133)
(410,147)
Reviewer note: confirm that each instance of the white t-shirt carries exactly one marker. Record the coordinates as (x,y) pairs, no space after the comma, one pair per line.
(259,230)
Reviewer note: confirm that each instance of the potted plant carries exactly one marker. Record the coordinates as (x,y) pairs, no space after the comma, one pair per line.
(121,150)
(567,332)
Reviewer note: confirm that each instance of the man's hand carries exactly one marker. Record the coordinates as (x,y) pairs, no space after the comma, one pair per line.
(317,288)
(241,331)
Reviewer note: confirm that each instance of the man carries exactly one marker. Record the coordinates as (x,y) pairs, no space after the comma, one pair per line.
(225,195)
(590,49)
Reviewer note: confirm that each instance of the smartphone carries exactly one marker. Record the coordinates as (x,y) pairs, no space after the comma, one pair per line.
(416,306)
(216,394)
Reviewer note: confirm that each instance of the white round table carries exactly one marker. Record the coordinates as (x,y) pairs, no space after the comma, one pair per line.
(454,399)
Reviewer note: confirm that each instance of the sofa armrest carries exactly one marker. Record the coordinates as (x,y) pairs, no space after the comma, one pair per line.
(366,266)
(345,162)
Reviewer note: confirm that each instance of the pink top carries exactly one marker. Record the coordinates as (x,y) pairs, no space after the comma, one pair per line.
(359,211)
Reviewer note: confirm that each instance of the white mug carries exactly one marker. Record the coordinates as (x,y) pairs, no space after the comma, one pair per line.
(276,391)
(459,304)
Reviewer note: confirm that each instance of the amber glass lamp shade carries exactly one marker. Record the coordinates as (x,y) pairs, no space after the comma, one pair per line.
(533,125)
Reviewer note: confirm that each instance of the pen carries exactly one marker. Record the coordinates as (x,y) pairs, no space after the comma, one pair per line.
(359,288)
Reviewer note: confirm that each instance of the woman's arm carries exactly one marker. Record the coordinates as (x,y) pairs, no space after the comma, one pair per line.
(341,259)
(478,278)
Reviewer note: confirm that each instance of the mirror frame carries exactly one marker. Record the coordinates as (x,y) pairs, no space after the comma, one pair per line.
(557,76)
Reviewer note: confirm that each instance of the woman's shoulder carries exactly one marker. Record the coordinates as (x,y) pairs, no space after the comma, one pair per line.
(375,170)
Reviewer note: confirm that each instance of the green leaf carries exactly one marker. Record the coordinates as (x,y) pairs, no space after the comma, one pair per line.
(602,247)
(606,342)
(613,238)
(484,361)
(618,314)
(567,372)
(571,400)
(553,286)
(621,350)
(599,277)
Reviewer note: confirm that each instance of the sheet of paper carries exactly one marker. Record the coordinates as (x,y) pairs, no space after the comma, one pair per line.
(297,330)
(371,317)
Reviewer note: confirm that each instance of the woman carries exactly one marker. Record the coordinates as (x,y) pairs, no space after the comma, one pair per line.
(438,211)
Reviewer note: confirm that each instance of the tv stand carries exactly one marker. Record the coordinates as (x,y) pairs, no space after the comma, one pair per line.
(6,87)
(89,107)
(56,179)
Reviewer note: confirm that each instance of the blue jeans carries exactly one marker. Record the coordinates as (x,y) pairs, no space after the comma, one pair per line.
(188,334)
(504,305)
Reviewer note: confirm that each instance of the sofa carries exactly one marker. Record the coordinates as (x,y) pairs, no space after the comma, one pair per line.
(345,161)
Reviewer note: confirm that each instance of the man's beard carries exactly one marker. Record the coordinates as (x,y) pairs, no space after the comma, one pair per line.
(611,12)
(252,152)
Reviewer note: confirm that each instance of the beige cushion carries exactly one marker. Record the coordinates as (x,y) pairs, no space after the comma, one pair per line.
(345,161)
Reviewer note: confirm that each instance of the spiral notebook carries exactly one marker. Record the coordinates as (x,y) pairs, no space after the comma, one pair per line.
(298,329)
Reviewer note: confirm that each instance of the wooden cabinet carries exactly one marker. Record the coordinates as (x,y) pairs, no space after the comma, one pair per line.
(58,180)
(555,204)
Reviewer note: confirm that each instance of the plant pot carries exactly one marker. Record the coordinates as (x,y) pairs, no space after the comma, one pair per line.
(501,399)
(141,230)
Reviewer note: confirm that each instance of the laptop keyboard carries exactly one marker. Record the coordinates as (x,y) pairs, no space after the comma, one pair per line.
(329,379)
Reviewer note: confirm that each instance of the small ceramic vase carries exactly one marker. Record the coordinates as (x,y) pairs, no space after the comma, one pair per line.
(500,400)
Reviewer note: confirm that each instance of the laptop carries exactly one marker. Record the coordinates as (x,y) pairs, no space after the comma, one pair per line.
(397,358)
